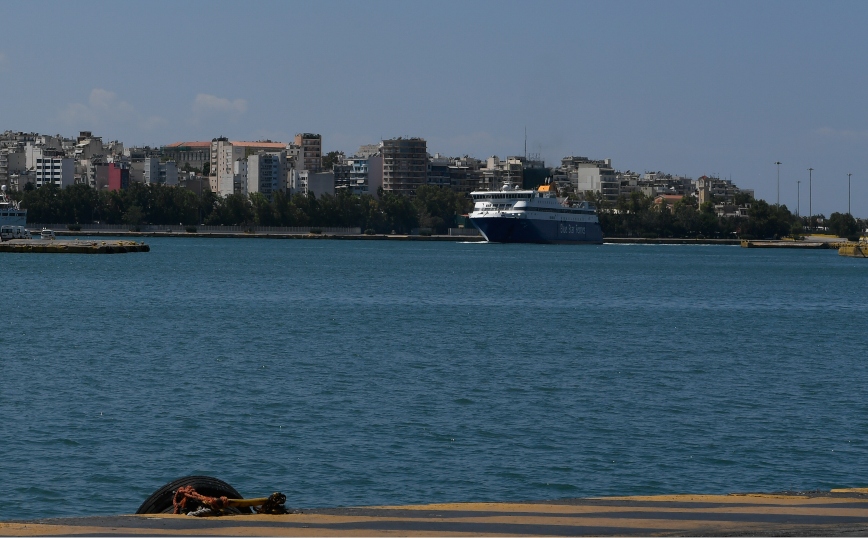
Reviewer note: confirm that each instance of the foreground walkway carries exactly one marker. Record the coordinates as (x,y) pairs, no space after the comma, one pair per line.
(839,514)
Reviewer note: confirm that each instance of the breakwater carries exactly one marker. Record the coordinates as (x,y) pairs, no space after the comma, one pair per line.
(38,246)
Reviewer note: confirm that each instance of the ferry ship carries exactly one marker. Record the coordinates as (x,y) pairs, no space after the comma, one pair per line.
(512,215)
(10,213)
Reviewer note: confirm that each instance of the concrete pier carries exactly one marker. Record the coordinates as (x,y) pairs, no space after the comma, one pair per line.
(72,246)
(792,514)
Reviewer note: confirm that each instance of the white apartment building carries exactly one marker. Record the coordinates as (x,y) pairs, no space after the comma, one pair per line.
(588,175)
(59,171)
(233,181)
(156,172)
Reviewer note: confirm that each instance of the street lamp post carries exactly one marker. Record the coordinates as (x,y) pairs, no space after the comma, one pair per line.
(779,181)
(810,197)
(848,193)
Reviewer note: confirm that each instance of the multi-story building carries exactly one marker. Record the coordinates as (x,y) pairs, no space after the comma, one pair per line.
(234,182)
(266,173)
(365,174)
(585,175)
(311,150)
(112,176)
(192,155)
(43,146)
(719,191)
(88,146)
(405,165)
(12,162)
(438,171)
(156,172)
(225,153)
(342,171)
(57,171)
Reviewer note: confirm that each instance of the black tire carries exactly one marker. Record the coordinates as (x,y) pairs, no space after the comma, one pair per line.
(161,500)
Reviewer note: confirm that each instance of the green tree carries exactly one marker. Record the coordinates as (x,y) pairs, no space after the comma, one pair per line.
(331,158)
(843,225)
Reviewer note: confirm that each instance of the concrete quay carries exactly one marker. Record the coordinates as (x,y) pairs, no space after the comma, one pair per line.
(844,513)
(37,246)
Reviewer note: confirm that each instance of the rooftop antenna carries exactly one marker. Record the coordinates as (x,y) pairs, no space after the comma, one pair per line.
(525,143)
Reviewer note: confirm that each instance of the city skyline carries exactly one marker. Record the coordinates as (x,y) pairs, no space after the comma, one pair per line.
(685,88)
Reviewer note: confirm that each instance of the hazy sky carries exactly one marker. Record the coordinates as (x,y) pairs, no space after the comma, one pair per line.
(693,88)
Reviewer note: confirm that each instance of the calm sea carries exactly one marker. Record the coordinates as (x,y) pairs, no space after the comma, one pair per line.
(373,372)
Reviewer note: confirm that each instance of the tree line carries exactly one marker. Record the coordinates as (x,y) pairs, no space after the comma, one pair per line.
(637,215)
(433,208)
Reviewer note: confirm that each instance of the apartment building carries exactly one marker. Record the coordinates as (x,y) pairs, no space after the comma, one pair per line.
(497,172)
(112,176)
(58,171)
(584,175)
(156,172)
(405,165)
(225,153)
(311,150)
(363,174)
(12,162)
(88,146)
(721,191)
(266,173)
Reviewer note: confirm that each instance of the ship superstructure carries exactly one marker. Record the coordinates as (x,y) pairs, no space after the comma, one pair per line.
(10,213)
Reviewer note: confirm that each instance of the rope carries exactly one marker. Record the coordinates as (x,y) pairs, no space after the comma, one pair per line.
(185,493)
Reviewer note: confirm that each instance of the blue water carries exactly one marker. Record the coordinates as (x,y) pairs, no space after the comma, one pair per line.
(372,372)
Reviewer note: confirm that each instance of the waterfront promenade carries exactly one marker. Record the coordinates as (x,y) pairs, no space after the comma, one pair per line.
(792,514)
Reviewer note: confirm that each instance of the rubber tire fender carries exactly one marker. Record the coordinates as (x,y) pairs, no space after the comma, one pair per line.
(160,502)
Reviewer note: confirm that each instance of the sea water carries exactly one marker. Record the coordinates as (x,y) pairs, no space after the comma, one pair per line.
(381,372)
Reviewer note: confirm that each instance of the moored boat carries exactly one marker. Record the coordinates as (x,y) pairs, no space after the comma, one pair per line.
(512,215)
(10,213)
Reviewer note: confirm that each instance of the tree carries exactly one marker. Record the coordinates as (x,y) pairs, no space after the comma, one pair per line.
(331,158)
(438,206)
(843,225)
(133,216)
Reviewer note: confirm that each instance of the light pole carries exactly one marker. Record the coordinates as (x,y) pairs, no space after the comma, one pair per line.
(810,197)
(779,181)
(848,193)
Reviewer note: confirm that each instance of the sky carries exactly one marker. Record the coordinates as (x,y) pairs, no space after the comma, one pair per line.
(717,88)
